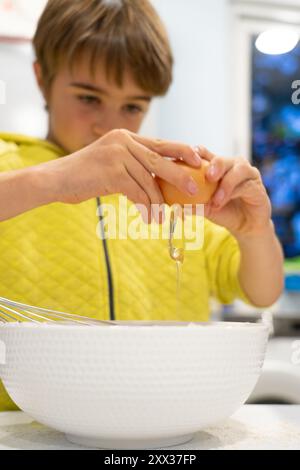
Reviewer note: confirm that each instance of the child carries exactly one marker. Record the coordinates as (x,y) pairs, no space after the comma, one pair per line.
(99,64)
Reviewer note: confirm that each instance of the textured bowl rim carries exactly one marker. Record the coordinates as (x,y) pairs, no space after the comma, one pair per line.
(139,325)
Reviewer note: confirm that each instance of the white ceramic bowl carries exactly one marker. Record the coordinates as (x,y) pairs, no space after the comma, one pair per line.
(131,386)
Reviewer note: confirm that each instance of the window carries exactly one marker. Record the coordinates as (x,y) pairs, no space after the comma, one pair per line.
(266,122)
(276,139)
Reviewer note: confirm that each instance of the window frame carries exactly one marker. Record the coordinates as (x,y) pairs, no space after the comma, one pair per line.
(249,19)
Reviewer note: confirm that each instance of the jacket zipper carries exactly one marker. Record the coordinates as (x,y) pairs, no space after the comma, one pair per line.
(108,264)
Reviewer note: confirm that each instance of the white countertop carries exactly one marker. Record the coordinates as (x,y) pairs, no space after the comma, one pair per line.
(252,427)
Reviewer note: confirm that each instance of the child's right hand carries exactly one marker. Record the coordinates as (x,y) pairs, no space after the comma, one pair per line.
(123,162)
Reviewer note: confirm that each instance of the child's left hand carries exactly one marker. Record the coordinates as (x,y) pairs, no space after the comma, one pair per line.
(240,203)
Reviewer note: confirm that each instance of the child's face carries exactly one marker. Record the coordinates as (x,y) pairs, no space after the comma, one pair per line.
(83,108)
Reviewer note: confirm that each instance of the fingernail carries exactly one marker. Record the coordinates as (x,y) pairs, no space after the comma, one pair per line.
(212,171)
(219,197)
(198,149)
(192,187)
(197,157)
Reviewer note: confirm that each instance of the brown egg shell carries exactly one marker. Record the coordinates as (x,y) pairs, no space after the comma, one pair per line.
(206,188)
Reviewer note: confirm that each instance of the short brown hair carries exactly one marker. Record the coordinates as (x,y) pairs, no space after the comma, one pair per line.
(125,33)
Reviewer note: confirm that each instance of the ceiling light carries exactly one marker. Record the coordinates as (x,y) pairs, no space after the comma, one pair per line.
(277,41)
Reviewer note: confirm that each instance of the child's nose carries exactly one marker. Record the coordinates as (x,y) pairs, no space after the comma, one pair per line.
(100,131)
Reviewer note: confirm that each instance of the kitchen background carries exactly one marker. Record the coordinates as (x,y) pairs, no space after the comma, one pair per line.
(232,92)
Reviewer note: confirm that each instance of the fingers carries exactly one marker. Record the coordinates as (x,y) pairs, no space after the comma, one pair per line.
(149,153)
(142,158)
(130,188)
(167,148)
(146,182)
(164,169)
(237,175)
(218,167)
(252,192)
(204,153)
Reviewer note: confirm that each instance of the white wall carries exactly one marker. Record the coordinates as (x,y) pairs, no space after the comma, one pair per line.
(197,109)
(23,111)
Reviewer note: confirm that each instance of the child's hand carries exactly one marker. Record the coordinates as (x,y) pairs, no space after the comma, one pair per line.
(240,203)
(123,162)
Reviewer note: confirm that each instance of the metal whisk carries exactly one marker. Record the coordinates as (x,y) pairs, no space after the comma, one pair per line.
(11,311)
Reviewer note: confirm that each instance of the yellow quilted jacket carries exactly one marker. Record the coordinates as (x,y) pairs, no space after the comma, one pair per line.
(52,257)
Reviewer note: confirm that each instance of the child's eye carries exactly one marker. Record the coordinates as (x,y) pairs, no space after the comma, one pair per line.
(133,109)
(89,99)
